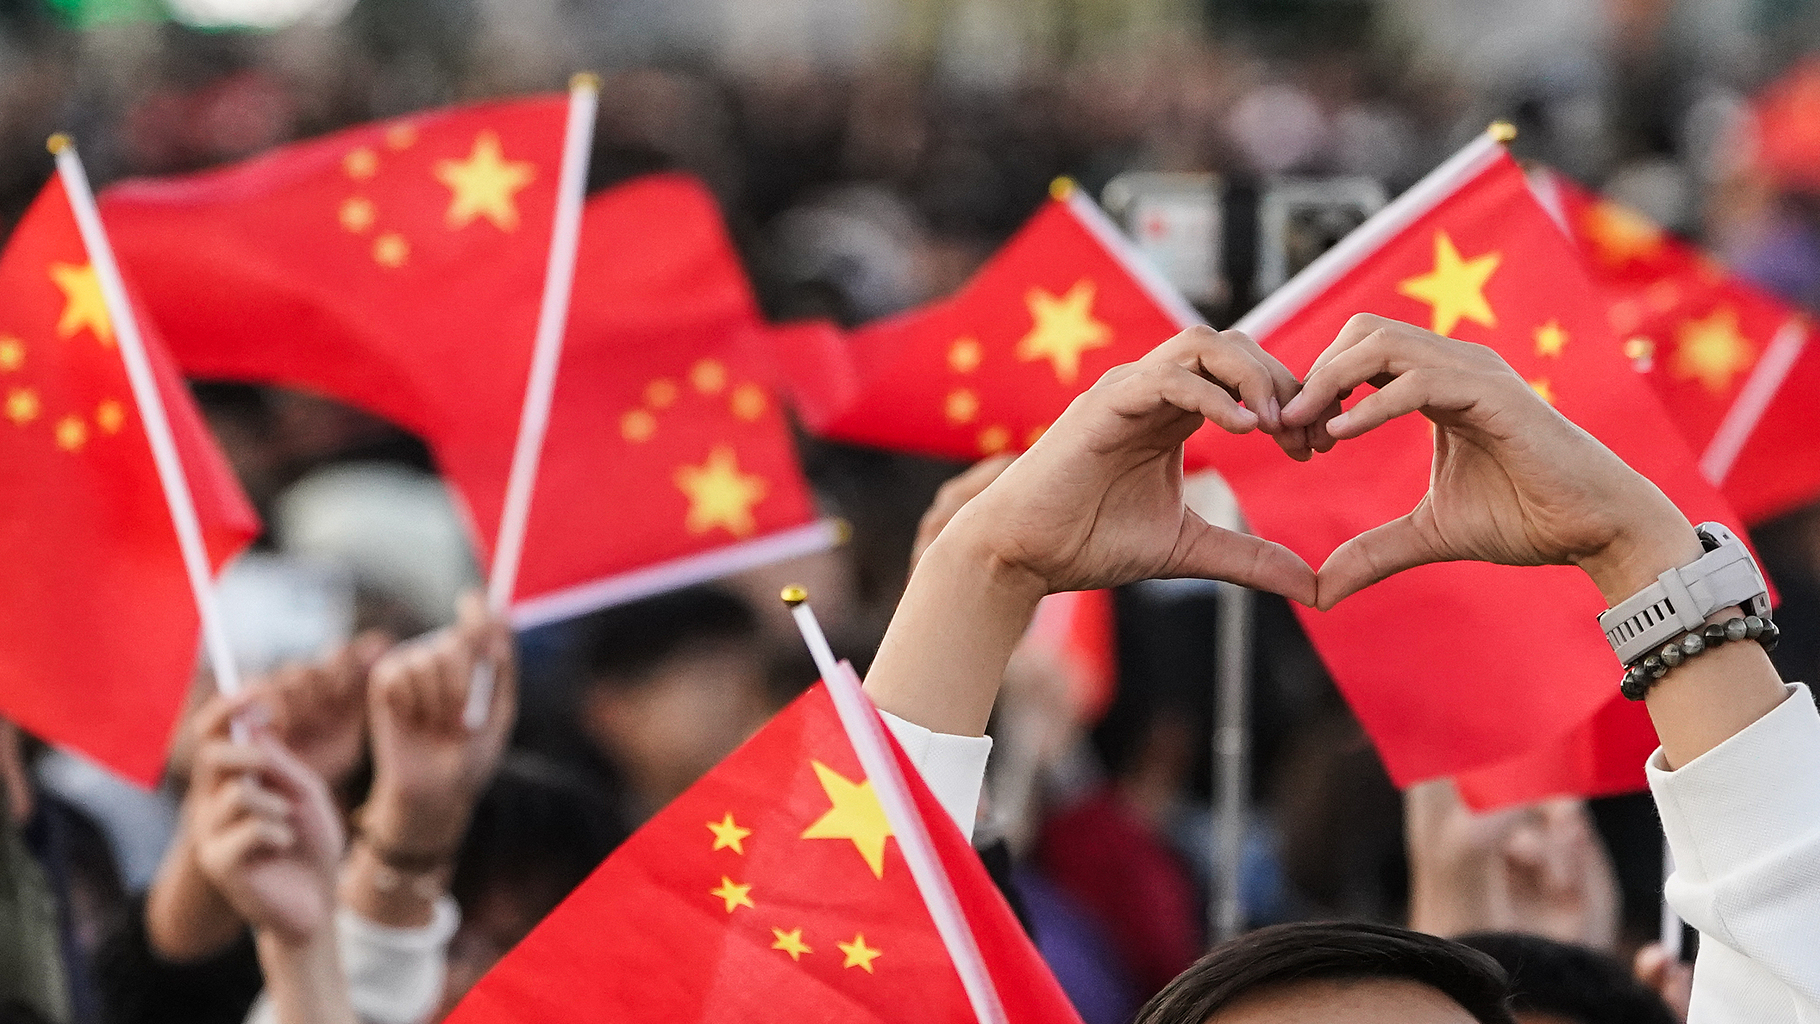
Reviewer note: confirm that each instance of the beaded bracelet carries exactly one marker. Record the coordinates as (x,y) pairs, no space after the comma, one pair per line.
(1653,666)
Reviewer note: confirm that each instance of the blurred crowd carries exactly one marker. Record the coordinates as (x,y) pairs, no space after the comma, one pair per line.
(856,186)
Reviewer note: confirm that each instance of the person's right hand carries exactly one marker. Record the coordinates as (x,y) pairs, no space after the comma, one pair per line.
(1097,501)
(1514,482)
(318,708)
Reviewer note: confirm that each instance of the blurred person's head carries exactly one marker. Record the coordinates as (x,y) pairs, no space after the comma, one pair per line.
(671,685)
(538,831)
(1558,983)
(1341,973)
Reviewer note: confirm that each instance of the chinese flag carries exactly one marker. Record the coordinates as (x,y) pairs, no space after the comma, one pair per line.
(399,267)
(98,625)
(1731,362)
(1464,665)
(988,369)
(772,889)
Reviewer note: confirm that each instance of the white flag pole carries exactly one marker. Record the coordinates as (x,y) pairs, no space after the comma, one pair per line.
(866,731)
(151,412)
(534,419)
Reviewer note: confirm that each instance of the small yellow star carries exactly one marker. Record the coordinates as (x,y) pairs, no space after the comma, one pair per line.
(1712,350)
(964,355)
(357,214)
(1544,389)
(22,406)
(732,893)
(708,376)
(72,434)
(720,495)
(1455,287)
(83,305)
(390,250)
(859,954)
(484,185)
(637,426)
(994,439)
(748,402)
(728,835)
(1034,435)
(1062,327)
(110,416)
(1621,234)
(361,164)
(962,405)
(1641,352)
(661,393)
(1551,338)
(791,942)
(400,137)
(12,353)
(855,815)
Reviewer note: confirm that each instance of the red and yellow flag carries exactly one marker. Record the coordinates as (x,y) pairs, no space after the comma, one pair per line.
(98,624)
(1733,364)
(1464,665)
(773,889)
(988,369)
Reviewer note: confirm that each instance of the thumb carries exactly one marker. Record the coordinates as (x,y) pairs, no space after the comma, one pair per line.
(1377,554)
(1208,552)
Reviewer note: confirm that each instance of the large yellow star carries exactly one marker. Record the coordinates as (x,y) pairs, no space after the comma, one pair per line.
(732,893)
(1621,234)
(484,185)
(859,954)
(1712,350)
(728,835)
(720,495)
(1062,327)
(83,305)
(1455,287)
(791,942)
(855,815)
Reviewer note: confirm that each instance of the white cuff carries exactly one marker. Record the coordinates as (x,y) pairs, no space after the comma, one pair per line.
(954,767)
(395,975)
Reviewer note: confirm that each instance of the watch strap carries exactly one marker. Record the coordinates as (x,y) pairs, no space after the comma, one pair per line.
(1681,599)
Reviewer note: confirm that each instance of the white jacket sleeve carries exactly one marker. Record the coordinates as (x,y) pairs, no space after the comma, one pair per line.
(1743,823)
(954,767)
(394,975)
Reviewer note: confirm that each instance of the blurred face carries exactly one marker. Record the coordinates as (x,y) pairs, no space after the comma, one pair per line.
(1349,1001)
(669,728)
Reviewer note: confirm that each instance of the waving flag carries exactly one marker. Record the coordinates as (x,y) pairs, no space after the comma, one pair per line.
(1468,253)
(98,622)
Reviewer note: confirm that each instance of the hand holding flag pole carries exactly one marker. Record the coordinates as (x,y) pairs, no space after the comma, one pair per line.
(171,476)
(534,422)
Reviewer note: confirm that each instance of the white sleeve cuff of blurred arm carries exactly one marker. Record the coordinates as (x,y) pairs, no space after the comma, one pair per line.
(954,767)
(395,975)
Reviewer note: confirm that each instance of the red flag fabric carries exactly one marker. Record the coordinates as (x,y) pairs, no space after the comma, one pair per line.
(1732,363)
(1075,636)
(399,267)
(988,369)
(1464,665)
(1783,137)
(98,629)
(772,889)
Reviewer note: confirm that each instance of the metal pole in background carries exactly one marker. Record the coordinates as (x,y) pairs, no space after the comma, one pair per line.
(1231,759)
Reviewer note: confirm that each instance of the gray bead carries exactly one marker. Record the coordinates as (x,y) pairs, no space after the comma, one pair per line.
(1692,644)
(1671,654)
(1653,665)
(1714,634)
(1753,627)
(1735,629)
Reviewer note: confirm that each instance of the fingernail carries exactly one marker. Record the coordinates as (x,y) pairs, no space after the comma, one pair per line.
(1273,413)
(1247,418)
(1338,424)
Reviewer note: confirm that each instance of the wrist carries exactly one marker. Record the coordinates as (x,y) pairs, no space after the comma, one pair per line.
(410,831)
(965,555)
(1640,555)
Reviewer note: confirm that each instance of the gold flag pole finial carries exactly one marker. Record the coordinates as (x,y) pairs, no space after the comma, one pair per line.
(1502,131)
(585,80)
(794,595)
(58,143)
(843,532)
(1061,188)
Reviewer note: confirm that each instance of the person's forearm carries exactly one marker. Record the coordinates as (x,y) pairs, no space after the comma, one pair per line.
(304,980)
(1707,699)
(388,896)
(186,917)
(945,653)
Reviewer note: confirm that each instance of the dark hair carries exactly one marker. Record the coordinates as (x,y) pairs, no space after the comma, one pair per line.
(624,643)
(1290,953)
(1571,982)
(538,826)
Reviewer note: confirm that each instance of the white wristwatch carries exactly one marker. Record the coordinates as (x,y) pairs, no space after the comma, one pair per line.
(1681,599)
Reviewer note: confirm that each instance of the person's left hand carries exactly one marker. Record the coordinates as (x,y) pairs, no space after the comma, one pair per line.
(318,709)
(428,766)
